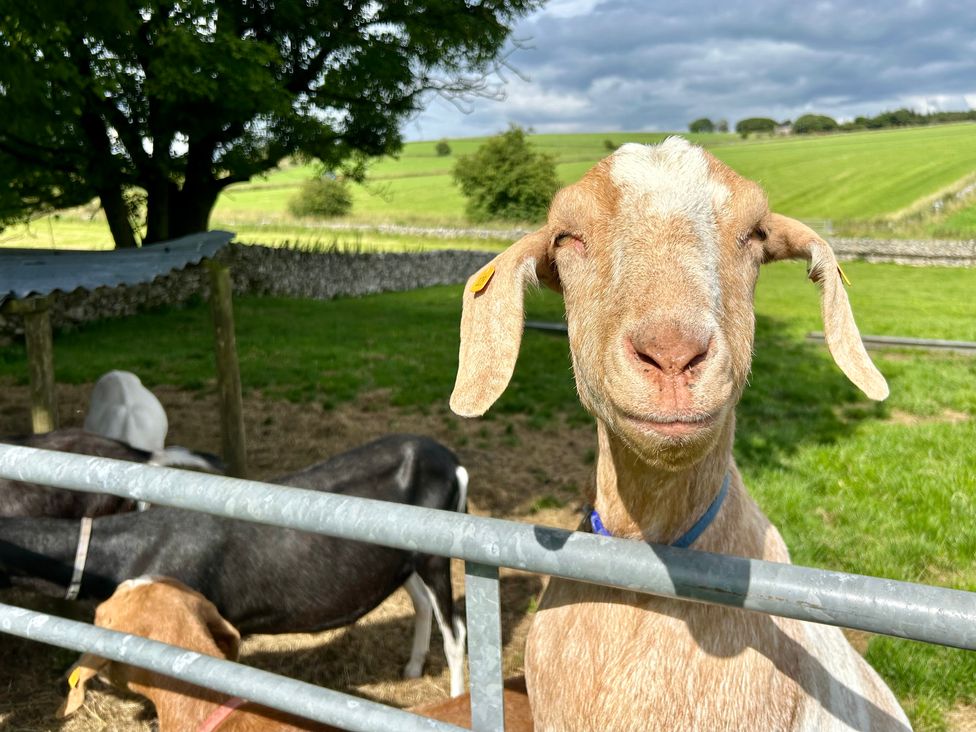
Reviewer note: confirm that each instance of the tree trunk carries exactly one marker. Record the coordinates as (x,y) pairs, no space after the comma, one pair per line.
(172,213)
(159,194)
(113,204)
(190,210)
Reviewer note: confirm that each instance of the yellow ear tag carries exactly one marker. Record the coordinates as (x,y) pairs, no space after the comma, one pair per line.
(843,276)
(73,678)
(481,281)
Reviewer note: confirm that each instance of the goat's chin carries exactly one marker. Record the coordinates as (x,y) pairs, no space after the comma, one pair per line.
(668,451)
(668,444)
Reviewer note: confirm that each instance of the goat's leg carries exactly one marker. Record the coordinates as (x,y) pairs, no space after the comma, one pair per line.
(421,629)
(436,575)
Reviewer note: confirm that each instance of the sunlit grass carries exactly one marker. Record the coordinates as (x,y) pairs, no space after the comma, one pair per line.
(863,183)
(884,489)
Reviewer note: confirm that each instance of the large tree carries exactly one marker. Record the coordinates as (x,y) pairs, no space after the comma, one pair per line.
(181,98)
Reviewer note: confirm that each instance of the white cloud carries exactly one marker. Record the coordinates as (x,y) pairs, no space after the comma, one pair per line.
(651,64)
(570,8)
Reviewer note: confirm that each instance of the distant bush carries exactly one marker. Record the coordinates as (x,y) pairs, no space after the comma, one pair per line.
(322,197)
(722,125)
(609,145)
(755,124)
(506,178)
(442,148)
(702,124)
(811,123)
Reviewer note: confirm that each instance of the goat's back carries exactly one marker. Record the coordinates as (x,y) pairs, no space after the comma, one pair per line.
(18,498)
(262,578)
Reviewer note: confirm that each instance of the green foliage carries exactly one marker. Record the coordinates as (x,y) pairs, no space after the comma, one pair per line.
(722,126)
(745,127)
(702,124)
(609,145)
(442,148)
(221,91)
(908,118)
(507,179)
(811,123)
(323,197)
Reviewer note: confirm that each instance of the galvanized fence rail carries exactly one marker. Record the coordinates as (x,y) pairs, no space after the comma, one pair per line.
(907,610)
(263,687)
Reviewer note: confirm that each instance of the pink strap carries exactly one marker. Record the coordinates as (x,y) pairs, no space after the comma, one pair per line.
(218,715)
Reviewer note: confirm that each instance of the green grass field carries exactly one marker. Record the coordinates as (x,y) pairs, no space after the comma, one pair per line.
(868,183)
(884,489)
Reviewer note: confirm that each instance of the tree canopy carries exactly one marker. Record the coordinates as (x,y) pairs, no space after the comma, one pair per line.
(811,123)
(702,124)
(507,178)
(755,124)
(177,99)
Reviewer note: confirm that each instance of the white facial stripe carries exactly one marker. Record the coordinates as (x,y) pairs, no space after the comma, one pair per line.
(673,179)
(675,173)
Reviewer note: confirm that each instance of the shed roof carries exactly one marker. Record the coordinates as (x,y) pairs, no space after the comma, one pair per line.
(26,272)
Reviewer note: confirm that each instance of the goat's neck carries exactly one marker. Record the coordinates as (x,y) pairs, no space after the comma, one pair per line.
(183,707)
(639,501)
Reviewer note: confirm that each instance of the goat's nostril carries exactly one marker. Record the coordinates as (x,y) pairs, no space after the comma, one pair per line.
(697,360)
(670,351)
(648,360)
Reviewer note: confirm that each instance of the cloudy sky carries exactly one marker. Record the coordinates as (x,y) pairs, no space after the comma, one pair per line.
(608,65)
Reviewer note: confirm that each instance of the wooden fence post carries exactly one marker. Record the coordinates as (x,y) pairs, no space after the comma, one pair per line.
(40,360)
(228,371)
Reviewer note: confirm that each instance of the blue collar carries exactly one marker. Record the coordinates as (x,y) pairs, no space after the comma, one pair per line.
(688,538)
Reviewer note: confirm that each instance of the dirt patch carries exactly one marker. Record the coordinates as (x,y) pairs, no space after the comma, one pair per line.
(858,638)
(962,718)
(517,472)
(947,416)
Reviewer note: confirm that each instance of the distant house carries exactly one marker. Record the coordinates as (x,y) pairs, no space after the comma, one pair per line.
(783,130)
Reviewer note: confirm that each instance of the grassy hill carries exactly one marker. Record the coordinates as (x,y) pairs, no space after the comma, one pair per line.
(880,182)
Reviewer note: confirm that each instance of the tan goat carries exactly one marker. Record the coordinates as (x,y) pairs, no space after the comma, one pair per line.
(656,252)
(168,611)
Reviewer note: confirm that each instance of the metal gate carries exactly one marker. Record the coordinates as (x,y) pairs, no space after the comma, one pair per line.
(903,609)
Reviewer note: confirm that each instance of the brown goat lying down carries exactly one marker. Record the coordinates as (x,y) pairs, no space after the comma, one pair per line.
(168,611)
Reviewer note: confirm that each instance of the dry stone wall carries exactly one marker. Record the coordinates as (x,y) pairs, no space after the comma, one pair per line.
(267,271)
(325,275)
(908,251)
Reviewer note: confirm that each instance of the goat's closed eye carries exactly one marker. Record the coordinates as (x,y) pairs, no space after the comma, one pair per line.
(758,234)
(565,239)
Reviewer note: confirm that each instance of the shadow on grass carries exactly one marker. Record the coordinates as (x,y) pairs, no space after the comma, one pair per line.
(796,396)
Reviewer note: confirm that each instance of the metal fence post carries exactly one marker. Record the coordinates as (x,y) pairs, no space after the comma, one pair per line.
(483,607)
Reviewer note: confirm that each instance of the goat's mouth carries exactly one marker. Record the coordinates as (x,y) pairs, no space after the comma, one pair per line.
(684,425)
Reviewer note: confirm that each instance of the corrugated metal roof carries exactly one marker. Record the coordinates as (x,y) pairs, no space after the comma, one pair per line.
(25,272)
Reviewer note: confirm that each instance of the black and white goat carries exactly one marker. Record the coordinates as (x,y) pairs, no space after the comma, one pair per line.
(30,499)
(266,579)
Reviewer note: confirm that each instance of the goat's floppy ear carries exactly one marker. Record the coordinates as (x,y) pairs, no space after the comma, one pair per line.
(88,667)
(225,635)
(789,239)
(492,320)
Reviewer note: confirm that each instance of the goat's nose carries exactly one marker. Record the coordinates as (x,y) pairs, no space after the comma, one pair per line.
(670,351)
